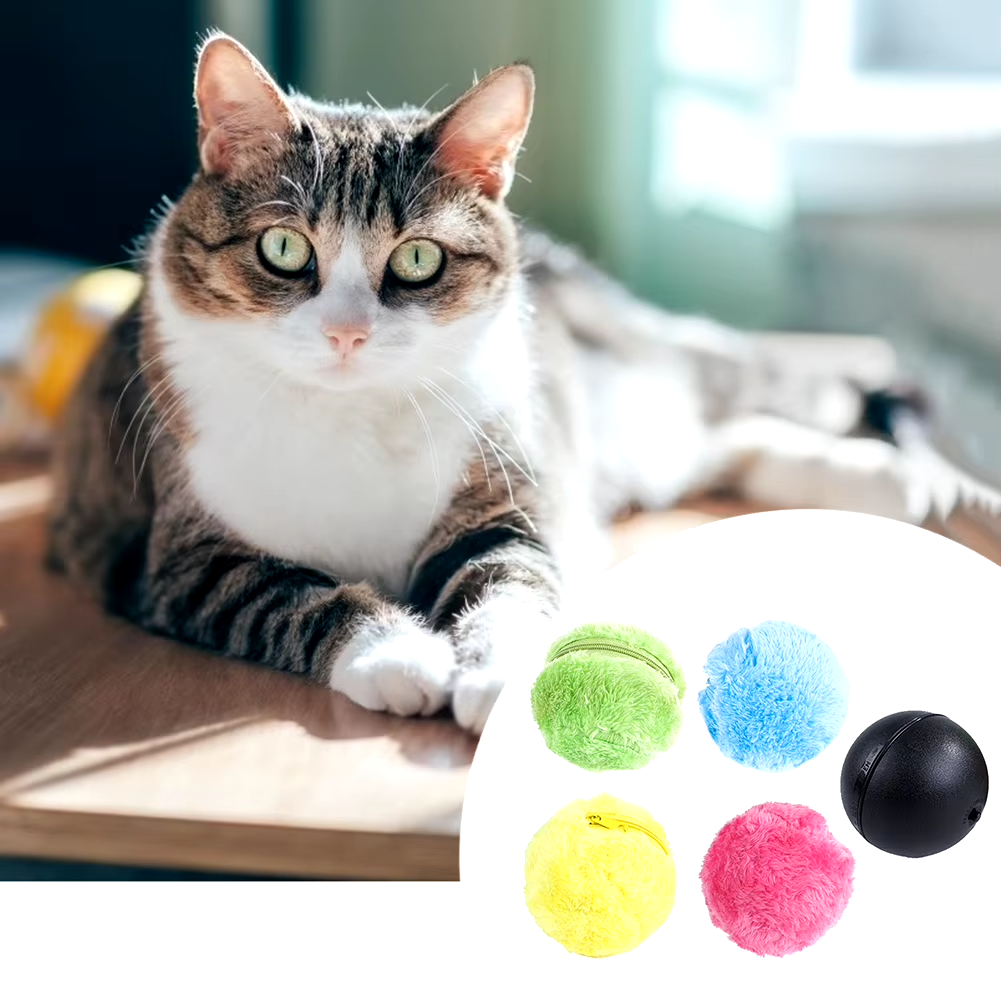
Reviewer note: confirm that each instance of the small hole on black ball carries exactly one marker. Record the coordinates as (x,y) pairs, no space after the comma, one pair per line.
(974,815)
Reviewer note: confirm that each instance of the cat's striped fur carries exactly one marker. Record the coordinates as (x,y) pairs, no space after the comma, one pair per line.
(397,525)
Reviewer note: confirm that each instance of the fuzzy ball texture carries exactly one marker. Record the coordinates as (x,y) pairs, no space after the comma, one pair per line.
(775,879)
(605,703)
(776,696)
(600,891)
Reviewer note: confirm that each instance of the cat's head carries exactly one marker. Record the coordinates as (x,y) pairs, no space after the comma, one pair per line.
(342,246)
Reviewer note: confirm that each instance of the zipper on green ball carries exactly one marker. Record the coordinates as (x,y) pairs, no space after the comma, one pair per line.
(615,821)
(610,646)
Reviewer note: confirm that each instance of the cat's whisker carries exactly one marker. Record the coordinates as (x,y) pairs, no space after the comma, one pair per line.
(507,479)
(264,395)
(437,180)
(479,393)
(517,441)
(423,107)
(475,428)
(524,516)
(158,428)
(491,444)
(434,455)
(427,163)
(165,388)
(318,162)
(274,201)
(408,132)
(295,185)
(161,422)
(375,101)
(114,264)
(125,389)
(142,403)
(507,455)
(469,428)
(498,414)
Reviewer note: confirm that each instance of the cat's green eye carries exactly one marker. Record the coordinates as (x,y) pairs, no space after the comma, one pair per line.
(285,250)
(416,261)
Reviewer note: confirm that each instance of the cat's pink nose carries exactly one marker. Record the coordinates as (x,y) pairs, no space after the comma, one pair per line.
(346,340)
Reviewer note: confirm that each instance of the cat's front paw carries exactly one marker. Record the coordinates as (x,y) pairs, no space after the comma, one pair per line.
(495,640)
(404,669)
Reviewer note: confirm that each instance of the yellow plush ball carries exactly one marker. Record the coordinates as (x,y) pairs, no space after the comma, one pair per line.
(69,330)
(600,876)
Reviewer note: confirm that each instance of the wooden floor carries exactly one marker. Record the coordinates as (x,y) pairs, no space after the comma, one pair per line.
(119,747)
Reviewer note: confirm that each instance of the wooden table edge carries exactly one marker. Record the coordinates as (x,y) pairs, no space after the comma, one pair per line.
(263,849)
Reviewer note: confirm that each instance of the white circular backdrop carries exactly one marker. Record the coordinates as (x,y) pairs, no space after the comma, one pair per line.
(913,619)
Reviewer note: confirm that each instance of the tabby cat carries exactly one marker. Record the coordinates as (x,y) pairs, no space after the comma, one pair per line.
(361,427)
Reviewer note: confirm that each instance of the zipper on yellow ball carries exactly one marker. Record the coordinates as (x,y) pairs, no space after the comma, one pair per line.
(615,821)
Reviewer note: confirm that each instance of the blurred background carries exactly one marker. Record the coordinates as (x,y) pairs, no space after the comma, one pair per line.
(808,165)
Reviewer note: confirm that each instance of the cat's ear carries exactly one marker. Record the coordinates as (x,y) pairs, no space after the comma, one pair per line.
(240,108)
(479,136)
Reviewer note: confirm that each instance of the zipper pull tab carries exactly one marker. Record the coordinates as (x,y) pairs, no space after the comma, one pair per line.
(616,822)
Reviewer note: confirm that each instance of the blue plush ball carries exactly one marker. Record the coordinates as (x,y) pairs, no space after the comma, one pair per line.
(776,696)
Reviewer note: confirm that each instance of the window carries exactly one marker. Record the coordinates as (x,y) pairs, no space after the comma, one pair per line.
(961,37)
(828,105)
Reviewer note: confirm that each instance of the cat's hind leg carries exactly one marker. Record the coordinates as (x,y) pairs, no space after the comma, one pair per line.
(776,462)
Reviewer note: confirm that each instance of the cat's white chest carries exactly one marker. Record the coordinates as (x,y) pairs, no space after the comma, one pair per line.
(350,490)
(342,480)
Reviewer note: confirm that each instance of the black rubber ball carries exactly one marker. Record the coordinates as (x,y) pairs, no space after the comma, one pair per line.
(914,783)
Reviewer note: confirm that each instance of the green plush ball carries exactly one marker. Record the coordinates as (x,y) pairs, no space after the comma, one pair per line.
(609,697)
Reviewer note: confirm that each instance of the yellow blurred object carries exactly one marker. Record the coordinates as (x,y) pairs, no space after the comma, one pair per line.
(68,332)
(20,427)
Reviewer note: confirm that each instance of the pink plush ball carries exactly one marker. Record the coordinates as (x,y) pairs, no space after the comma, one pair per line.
(775,879)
